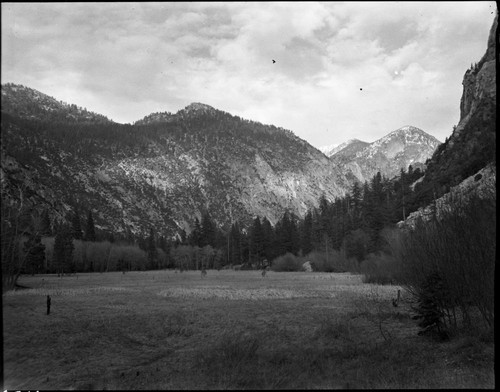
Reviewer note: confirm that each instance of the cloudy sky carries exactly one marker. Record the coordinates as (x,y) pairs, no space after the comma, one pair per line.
(340,70)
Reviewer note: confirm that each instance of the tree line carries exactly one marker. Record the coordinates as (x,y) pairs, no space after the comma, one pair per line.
(352,224)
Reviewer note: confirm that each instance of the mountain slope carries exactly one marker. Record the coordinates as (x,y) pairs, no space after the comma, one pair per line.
(28,103)
(163,171)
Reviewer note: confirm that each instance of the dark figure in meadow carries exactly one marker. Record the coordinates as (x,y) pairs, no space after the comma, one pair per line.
(395,302)
(263,272)
(48,304)
(203,273)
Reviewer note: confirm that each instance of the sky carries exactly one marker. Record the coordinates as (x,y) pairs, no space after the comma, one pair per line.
(328,71)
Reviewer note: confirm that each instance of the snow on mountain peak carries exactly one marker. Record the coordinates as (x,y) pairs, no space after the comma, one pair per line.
(334,148)
(327,149)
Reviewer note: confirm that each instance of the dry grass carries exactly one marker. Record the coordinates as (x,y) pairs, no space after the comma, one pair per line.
(230,330)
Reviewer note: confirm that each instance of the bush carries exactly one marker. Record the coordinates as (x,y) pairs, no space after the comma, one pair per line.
(319,262)
(337,261)
(380,268)
(458,247)
(97,254)
(356,244)
(287,262)
(134,258)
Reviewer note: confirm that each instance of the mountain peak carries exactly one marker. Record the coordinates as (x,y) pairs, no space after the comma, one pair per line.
(197,106)
(407,128)
(411,134)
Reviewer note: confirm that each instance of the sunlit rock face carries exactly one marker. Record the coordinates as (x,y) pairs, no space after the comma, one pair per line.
(482,184)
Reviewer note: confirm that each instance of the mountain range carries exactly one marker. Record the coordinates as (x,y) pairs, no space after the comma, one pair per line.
(167,169)
(397,150)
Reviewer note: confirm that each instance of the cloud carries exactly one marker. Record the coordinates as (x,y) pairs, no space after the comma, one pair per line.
(130,59)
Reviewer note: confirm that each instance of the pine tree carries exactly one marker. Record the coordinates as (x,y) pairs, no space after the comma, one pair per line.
(325,223)
(256,250)
(356,203)
(306,234)
(35,254)
(76,226)
(235,246)
(294,234)
(208,231)
(46,229)
(90,228)
(287,235)
(63,250)
(152,251)
(194,238)
(110,237)
(183,237)
(268,242)
(142,243)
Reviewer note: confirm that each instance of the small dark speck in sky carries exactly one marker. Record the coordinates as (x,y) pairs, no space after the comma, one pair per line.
(274,61)
(360,89)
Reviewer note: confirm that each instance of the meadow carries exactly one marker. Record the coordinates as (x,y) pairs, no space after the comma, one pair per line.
(229,330)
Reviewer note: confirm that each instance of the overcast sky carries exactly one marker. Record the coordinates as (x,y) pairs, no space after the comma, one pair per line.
(340,70)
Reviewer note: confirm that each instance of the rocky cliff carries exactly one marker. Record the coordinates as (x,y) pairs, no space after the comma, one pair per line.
(466,162)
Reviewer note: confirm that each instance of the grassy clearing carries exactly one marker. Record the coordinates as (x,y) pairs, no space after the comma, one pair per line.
(230,330)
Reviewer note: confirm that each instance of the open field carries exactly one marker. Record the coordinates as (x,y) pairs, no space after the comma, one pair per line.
(229,330)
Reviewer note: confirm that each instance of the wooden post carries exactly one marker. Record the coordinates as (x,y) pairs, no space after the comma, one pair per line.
(48,304)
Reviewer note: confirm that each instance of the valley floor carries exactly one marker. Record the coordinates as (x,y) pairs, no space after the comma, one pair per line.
(229,330)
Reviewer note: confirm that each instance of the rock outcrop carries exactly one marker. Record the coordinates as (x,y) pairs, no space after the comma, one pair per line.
(466,163)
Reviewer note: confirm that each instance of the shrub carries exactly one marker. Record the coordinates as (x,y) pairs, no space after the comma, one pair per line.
(246,267)
(380,268)
(336,261)
(433,298)
(356,244)
(133,257)
(319,262)
(287,262)
(459,247)
(97,254)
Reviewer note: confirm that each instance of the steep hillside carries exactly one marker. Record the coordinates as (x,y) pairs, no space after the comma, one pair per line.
(399,149)
(28,103)
(483,184)
(163,171)
(472,145)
